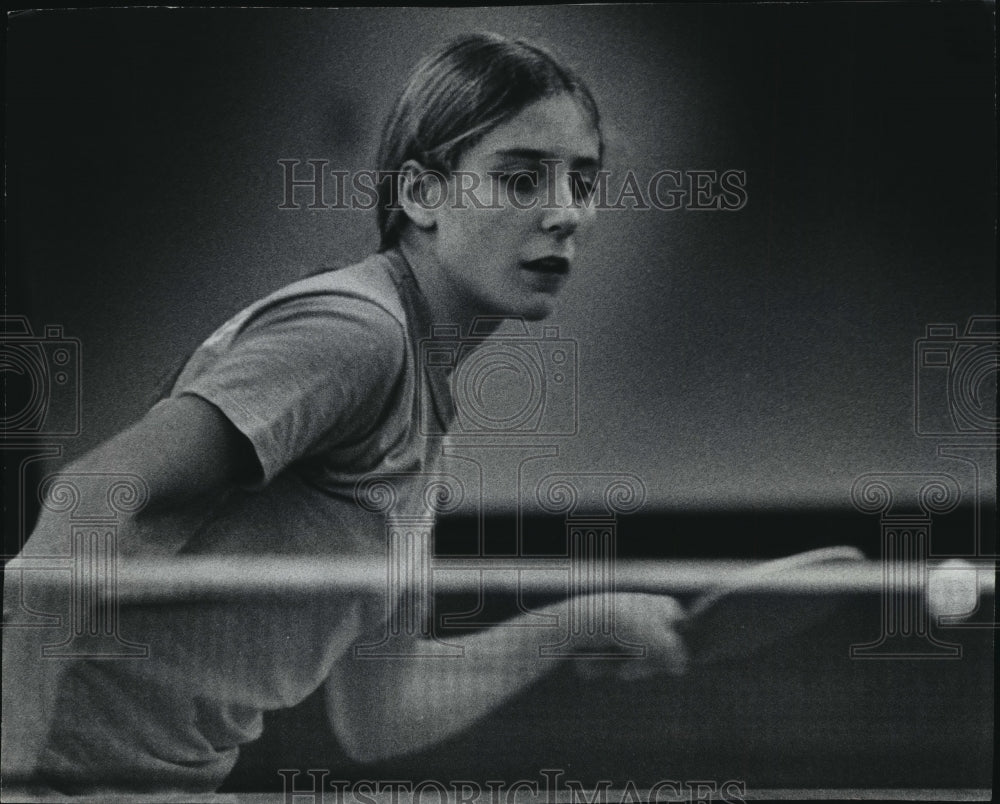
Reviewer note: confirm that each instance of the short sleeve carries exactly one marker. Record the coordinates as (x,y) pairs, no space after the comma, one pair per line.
(300,375)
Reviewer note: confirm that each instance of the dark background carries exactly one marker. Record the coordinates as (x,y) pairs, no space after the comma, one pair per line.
(747,366)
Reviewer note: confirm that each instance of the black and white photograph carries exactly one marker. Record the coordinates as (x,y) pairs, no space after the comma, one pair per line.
(572,404)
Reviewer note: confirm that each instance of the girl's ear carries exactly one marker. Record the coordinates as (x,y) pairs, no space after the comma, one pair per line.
(421,193)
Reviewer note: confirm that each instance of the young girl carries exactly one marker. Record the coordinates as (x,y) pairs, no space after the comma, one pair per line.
(272,424)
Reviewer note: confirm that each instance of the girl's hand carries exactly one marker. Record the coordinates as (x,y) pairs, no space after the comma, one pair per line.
(645,621)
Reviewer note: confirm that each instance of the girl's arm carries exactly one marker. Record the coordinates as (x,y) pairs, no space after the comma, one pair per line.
(382,707)
(184,451)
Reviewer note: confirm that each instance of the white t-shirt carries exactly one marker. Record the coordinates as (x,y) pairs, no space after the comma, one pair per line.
(322,378)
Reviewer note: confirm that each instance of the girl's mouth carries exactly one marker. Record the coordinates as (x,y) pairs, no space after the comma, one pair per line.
(547,265)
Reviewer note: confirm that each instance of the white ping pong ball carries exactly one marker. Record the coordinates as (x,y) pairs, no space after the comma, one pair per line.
(952,588)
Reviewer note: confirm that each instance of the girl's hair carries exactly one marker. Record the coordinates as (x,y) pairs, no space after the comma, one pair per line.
(457,95)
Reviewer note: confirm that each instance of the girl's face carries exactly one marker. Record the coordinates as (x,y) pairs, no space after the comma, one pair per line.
(504,238)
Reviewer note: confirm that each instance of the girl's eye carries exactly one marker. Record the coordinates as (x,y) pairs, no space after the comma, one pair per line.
(583,186)
(518,186)
(520,180)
